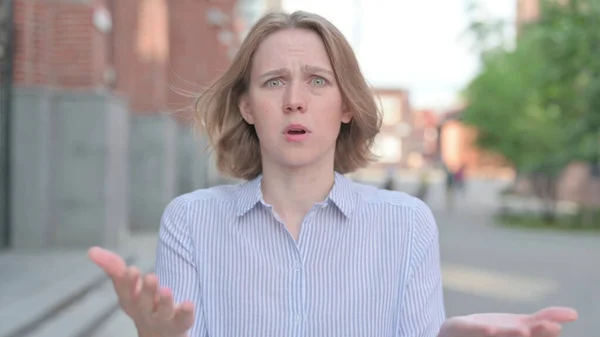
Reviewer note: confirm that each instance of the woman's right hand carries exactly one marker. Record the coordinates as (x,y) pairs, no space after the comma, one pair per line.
(152,309)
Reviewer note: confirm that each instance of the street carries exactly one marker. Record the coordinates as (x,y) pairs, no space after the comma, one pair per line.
(488,268)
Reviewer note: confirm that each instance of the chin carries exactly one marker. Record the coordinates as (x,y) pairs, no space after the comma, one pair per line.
(297,159)
(296,163)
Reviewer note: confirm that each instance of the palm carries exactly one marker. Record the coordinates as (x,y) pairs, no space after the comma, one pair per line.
(546,323)
(152,308)
(500,320)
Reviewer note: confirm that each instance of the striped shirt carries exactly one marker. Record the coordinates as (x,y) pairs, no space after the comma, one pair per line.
(366,264)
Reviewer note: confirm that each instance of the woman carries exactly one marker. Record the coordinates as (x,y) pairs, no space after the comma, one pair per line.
(298,249)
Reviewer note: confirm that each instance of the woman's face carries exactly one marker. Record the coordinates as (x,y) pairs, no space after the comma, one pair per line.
(293,100)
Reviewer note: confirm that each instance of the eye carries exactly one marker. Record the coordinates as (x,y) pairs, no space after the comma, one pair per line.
(319,81)
(274,82)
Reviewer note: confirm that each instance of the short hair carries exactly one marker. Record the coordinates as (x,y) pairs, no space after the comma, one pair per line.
(236,143)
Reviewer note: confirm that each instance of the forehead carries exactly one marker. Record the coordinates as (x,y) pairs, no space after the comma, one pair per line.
(286,48)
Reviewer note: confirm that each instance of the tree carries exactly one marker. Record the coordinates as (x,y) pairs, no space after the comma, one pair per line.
(570,40)
(538,104)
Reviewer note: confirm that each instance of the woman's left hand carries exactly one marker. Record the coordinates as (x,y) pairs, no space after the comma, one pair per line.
(544,323)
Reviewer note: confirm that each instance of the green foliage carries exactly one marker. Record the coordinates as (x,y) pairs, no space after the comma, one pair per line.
(583,220)
(539,103)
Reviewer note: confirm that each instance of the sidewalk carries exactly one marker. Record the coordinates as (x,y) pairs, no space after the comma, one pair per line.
(480,190)
(377,176)
(62,293)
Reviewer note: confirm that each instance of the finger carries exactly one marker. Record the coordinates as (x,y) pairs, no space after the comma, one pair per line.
(165,308)
(184,316)
(546,329)
(148,295)
(132,286)
(111,263)
(555,314)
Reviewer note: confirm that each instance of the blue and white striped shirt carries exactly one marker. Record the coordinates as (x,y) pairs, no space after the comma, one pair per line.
(366,264)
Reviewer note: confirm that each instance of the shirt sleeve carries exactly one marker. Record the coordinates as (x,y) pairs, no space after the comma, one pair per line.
(176,260)
(423,311)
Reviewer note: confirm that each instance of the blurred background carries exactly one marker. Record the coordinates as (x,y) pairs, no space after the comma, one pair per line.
(491,115)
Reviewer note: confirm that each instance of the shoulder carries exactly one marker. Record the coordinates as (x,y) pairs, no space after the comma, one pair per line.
(200,201)
(387,199)
(410,216)
(413,213)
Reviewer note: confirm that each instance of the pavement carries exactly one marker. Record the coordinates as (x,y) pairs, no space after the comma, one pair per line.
(486,268)
(491,268)
(61,293)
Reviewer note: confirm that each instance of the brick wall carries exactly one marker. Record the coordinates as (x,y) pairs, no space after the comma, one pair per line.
(198,50)
(57,44)
(141,50)
(154,46)
(167,51)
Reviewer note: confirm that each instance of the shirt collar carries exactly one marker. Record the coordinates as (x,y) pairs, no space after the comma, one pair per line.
(343,195)
(248,195)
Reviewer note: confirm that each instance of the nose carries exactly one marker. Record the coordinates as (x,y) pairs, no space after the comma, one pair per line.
(295,100)
(294,107)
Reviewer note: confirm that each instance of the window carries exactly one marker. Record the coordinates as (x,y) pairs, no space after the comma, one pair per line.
(388,148)
(391,109)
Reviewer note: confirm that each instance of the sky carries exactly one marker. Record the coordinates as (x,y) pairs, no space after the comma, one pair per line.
(415,45)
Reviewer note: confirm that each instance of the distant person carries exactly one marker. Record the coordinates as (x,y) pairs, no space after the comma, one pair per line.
(390,177)
(424,182)
(450,186)
(298,249)
(459,178)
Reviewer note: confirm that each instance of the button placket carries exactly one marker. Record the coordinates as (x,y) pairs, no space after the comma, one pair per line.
(297,295)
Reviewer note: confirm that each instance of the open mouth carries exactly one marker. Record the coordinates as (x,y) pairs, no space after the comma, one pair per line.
(296,132)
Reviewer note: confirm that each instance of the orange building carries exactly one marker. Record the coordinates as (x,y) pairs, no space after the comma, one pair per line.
(457,147)
(425,134)
(457,143)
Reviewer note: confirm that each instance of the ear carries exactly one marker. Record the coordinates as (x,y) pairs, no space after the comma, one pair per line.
(245,109)
(346,115)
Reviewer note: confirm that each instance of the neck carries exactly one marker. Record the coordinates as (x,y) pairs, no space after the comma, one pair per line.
(293,192)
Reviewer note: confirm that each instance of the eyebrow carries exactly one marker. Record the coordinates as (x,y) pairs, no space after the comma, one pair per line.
(315,69)
(306,68)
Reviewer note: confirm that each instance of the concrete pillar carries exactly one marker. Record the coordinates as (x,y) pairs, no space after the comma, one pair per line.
(69,184)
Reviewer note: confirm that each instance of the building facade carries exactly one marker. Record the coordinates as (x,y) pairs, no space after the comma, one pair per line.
(392,144)
(101,121)
(457,145)
(425,138)
(527,11)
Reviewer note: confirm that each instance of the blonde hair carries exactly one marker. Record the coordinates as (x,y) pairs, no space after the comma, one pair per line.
(235,142)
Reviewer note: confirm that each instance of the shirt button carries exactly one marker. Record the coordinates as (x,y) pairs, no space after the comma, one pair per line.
(298,318)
